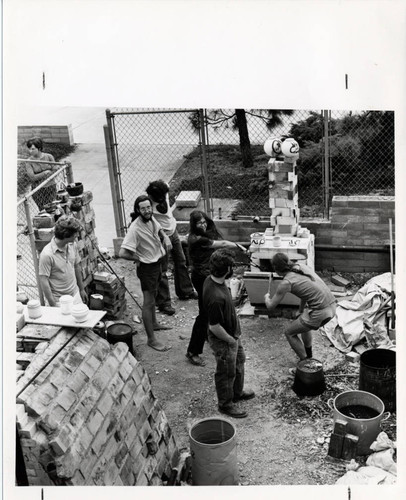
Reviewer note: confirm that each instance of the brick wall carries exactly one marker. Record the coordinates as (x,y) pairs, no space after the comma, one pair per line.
(90,417)
(48,133)
(360,221)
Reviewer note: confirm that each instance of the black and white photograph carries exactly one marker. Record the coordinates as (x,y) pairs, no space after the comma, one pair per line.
(206,248)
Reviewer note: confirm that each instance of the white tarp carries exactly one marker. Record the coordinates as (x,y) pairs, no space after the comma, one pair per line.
(346,328)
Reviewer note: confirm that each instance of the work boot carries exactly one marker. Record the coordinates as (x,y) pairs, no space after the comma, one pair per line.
(169,310)
(233,411)
(248,394)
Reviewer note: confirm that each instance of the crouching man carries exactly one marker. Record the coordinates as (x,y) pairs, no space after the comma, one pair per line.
(224,335)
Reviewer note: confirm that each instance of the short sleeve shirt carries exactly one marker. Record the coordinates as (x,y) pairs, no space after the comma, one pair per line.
(37,168)
(167,221)
(143,239)
(220,308)
(58,265)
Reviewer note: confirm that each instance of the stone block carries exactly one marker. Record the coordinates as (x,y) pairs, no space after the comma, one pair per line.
(188,199)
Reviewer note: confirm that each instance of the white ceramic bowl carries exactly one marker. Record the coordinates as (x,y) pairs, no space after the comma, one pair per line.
(80,312)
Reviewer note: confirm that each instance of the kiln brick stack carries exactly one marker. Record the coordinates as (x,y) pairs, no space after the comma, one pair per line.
(86,415)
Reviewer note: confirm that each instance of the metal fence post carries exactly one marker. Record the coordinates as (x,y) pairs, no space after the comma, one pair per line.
(326,164)
(207,200)
(33,249)
(119,216)
(69,172)
(113,187)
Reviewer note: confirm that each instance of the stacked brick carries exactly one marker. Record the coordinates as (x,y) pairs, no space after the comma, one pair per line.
(113,292)
(80,208)
(283,195)
(49,133)
(86,415)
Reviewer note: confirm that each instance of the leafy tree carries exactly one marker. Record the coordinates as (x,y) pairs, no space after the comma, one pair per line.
(237,120)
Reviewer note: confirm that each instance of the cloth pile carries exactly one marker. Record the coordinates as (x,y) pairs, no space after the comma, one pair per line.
(370,303)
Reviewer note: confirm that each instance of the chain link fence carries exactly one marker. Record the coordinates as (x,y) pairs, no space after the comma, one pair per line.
(29,203)
(220,153)
(362,152)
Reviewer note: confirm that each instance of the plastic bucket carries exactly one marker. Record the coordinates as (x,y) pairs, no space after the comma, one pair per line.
(367,429)
(120,332)
(214,453)
(309,378)
(377,375)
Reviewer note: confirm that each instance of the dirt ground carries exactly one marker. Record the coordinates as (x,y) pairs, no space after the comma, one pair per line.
(284,439)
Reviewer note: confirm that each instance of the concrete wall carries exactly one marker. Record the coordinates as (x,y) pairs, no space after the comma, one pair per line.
(356,221)
(50,133)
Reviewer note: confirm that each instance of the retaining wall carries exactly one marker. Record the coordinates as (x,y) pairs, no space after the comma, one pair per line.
(48,133)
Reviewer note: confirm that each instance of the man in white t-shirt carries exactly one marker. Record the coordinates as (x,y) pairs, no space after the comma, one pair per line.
(158,193)
(147,244)
(60,271)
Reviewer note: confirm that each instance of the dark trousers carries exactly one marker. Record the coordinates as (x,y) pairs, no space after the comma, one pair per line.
(229,375)
(183,285)
(201,324)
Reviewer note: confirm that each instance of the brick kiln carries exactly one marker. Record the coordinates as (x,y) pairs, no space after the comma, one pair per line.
(86,415)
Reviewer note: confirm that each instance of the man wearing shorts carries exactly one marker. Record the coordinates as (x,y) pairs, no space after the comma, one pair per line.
(60,271)
(301,281)
(146,244)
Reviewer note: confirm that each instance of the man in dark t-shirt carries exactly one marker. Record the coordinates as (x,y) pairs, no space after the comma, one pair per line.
(224,335)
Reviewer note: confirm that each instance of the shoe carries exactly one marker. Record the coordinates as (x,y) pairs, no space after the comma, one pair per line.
(169,310)
(233,411)
(248,394)
(195,359)
(191,296)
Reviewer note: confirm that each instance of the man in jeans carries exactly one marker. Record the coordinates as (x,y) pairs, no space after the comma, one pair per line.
(162,212)
(224,335)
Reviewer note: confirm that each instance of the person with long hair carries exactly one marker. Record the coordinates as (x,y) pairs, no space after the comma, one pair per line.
(204,238)
(147,244)
(158,191)
(301,281)
(38,172)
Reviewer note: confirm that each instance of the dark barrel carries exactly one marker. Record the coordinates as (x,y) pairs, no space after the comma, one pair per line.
(121,332)
(377,375)
(309,378)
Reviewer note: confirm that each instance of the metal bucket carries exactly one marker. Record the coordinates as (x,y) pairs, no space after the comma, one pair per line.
(121,332)
(214,453)
(309,381)
(367,429)
(377,375)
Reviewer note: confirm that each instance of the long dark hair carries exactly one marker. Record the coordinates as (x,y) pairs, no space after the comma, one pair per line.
(137,202)
(282,264)
(211,231)
(157,191)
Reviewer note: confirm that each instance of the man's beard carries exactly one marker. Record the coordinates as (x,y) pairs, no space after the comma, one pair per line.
(146,218)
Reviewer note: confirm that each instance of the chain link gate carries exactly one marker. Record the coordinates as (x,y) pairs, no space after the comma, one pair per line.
(145,145)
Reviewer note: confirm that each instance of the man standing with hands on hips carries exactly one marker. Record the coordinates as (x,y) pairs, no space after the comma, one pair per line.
(224,335)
